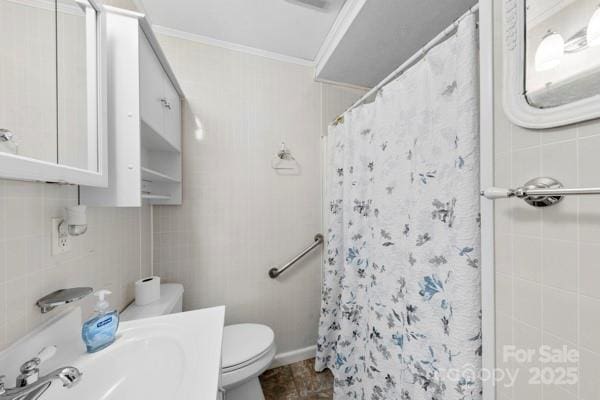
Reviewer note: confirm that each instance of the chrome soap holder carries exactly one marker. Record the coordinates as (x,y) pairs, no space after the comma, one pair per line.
(62,297)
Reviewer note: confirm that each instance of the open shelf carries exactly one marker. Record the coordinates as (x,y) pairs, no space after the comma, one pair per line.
(155,176)
(152,140)
(152,196)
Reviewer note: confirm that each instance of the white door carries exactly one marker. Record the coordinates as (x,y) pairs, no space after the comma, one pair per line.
(172,114)
(152,97)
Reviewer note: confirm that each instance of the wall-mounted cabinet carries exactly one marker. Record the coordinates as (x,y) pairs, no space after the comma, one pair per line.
(53,91)
(160,105)
(144,118)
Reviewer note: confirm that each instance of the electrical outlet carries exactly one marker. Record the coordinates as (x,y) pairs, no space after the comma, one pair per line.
(60,244)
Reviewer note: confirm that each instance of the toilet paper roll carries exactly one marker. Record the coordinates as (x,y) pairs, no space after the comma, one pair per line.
(147,290)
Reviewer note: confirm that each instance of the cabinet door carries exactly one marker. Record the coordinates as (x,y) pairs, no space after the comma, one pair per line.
(152,97)
(172,115)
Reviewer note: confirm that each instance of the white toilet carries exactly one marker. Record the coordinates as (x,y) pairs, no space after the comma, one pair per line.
(248,349)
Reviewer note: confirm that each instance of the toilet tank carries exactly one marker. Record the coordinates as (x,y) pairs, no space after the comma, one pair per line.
(171,300)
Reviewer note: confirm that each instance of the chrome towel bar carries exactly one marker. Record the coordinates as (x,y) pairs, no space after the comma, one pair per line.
(538,192)
(275,272)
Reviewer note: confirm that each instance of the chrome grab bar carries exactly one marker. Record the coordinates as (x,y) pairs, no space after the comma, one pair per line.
(275,272)
(538,192)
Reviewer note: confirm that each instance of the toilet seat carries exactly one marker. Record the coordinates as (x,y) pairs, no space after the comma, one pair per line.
(253,360)
(248,350)
(243,343)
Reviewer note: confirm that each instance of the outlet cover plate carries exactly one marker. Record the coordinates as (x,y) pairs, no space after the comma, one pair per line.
(60,245)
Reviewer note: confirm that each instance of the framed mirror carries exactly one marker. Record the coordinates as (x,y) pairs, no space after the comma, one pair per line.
(52,91)
(551,62)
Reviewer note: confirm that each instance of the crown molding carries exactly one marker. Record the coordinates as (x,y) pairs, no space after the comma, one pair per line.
(342,23)
(342,84)
(231,46)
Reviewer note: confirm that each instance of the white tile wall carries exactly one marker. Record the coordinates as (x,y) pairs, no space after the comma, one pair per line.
(72,90)
(239,216)
(28,79)
(547,262)
(44,76)
(112,254)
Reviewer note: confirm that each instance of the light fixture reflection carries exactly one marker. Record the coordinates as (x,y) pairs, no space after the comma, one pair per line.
(550,52)
(198,129)
(593,29)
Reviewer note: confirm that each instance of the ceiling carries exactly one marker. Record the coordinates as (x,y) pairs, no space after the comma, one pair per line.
(384,34)
(357,42)
(285,27)
(539,10)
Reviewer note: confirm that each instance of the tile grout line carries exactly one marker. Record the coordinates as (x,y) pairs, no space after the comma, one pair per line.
(512,249)
(578,261)
(542,264)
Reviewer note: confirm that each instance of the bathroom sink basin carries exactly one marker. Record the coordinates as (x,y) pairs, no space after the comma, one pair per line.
(176,356)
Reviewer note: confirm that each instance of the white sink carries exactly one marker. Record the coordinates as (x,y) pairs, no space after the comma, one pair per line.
(176,356)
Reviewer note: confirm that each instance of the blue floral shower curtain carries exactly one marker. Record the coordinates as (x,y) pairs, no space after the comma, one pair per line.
(400,315)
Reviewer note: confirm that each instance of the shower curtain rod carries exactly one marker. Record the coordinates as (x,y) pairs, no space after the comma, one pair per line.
(412,60)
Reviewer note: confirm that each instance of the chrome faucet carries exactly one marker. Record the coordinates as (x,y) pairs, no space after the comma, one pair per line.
(30,386)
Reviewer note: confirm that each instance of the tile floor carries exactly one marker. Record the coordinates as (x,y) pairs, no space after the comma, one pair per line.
(298,381)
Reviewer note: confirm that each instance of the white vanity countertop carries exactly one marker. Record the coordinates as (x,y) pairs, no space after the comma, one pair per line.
(176,356)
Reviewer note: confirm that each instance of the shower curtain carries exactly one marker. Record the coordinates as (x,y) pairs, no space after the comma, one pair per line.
(400,316)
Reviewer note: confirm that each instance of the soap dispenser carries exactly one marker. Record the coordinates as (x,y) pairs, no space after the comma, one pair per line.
(100,330)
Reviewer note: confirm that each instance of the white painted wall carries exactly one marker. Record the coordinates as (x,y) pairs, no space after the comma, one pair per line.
(547,260)
(239,217)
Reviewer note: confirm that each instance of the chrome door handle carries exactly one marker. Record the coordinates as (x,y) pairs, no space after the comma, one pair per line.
(166,103)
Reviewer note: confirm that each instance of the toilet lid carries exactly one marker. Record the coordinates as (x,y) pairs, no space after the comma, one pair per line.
(243,342)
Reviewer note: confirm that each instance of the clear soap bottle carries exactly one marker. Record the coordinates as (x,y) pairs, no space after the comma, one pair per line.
(100,330)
